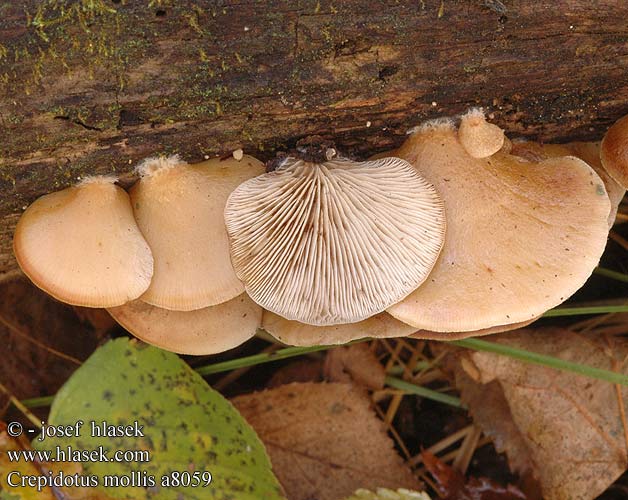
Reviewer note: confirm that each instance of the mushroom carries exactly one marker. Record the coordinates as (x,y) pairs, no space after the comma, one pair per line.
(522,236)
(480,138)
(429,335)
(82,245)
(587,151)
(381,325)
(203,331)
(324,240)
(179,208)
(614,151)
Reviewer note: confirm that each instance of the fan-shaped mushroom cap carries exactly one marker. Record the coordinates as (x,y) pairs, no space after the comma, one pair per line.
(204,331)
(334,242)
(179,208)
(614,151)
(429,335)
(522,236)
(479,137)
(382,325)
(82,245)
(587,151)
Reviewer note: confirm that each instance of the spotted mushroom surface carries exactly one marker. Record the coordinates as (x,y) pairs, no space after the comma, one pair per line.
(522,236)
(587,151)
(334,242)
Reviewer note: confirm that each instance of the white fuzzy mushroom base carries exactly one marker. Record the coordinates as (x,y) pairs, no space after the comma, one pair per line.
(337,242)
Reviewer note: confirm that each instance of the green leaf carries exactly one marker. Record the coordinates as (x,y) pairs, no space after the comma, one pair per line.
(188,427)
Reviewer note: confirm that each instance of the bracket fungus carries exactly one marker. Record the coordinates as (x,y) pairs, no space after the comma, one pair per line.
(203,331)
(289,332)
(586,151)
(179,208)
(522,236)
(325,240)
(82,245)
(614,151)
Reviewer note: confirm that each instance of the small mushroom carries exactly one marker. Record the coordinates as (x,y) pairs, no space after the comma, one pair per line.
(614,151)
(326,241)
(522,236)
(179,208)
(203,331)
(587,151)
(82,245)
(479,137)
(382,325)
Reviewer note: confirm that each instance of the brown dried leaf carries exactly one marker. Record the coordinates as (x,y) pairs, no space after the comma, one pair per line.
(42,341)
(303,370)
(356,363)
(98,319)
(569,429)
(452,485)
(324,440)
(490,410)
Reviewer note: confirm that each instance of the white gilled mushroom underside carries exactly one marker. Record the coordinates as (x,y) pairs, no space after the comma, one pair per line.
(334,241)
(332,249)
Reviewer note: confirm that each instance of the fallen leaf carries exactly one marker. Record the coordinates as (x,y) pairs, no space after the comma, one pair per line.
(45,339)
(98,319)
(490,410)
(356,364)
(452,485)
(186,427)
(567,428)
(324,440)
(302,370)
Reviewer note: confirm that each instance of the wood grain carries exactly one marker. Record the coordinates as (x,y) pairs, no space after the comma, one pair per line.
(93,86)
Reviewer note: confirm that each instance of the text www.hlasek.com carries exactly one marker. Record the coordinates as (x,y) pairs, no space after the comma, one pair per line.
(68,454)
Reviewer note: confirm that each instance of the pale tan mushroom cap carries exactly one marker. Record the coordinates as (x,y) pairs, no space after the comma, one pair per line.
(478,137)
(82,245)
(614,151)
(209,330)
(337,242)
(521,237)
(179,208)
(429,335)
(382,325)
(587,151)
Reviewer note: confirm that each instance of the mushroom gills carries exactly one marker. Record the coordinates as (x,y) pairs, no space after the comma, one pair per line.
(334,242)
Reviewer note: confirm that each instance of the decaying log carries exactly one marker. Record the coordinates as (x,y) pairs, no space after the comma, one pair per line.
(92,86)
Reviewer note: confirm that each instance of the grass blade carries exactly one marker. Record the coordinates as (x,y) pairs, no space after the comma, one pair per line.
(410,388)
(543,360)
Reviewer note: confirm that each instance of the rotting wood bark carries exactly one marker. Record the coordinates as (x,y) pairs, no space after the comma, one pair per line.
(92,86)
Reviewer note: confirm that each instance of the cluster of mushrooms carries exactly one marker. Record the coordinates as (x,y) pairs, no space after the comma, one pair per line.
(459,232)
